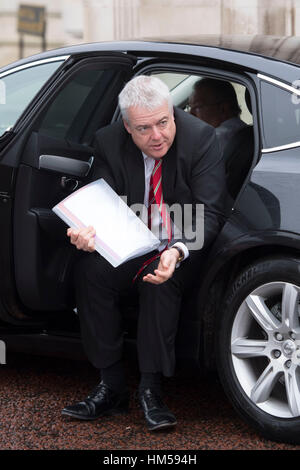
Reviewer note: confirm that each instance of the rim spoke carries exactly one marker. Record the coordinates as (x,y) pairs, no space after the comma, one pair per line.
(292,391)
(289,312)
(265,348)
(261,313)
(265,384)
(246,348)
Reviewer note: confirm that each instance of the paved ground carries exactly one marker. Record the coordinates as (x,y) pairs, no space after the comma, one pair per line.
(35,389)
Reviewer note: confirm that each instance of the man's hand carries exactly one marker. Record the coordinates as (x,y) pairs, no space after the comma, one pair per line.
(166,267)
(83,239)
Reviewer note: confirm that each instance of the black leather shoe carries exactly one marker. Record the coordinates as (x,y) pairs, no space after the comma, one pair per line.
(102,401)
(157,415)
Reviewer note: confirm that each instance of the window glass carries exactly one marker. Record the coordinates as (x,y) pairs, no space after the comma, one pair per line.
(181,87)
(69,113)
(280,110)
(246,113)
(19,88)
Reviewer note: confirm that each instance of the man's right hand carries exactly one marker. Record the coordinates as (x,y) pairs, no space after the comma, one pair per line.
(83,239)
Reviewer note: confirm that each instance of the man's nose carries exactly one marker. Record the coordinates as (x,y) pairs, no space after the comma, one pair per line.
(156,133)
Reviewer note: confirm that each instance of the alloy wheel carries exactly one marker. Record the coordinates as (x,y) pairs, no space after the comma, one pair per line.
(265,348)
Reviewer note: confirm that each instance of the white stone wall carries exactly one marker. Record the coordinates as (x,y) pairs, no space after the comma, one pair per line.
(65,23)
(169,17)
(76,21)
(127,19)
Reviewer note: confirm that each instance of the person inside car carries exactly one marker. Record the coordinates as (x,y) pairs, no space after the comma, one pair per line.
(154,145)
(215,102)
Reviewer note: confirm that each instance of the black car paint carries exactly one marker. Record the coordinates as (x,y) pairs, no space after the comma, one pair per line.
(249,233)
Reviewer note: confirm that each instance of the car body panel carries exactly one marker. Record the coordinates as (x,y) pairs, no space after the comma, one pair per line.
(263,53)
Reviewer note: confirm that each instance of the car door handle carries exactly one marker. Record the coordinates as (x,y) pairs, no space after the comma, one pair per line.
(69,166)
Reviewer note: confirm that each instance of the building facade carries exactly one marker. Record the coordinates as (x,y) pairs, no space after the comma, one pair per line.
(77,21)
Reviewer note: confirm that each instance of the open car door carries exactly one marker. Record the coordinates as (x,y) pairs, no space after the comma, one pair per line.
(55,150)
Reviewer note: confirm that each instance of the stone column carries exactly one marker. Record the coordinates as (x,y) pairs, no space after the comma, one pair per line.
(73,21)
(239,16)
(296,16)
(126,19)
(108,20)
(163,18)
(275,17)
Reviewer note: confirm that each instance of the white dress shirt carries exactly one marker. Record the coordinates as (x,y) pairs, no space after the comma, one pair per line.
(157,225)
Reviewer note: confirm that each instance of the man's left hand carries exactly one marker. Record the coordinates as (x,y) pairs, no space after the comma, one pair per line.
(165,269)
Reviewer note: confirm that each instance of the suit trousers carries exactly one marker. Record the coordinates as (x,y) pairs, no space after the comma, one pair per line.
(98,289)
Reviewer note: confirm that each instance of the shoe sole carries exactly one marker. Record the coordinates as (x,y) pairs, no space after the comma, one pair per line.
(92,418)
(162,426)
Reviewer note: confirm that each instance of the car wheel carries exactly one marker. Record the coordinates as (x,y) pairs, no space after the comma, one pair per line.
(258,347)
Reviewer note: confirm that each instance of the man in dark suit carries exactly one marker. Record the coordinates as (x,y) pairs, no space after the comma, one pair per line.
(215,102)
(129,155)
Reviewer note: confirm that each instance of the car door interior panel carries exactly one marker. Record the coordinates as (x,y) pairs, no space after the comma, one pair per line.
(55,161)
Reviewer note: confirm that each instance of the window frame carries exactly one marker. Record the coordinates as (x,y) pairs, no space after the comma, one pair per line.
(62,59)
(82,113)
(119,62)
(244,77)
(292,90)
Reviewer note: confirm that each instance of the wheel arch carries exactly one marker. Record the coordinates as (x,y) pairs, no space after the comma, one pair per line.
(212,292)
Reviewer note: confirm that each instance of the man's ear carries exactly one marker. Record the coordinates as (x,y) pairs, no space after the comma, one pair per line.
(126,125)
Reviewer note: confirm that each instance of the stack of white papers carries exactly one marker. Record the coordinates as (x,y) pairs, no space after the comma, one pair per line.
(120,234)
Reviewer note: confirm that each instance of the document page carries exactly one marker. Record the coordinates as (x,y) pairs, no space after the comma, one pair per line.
(120,234)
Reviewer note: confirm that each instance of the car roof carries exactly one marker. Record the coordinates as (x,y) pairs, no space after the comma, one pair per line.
(260,53)
(284,48)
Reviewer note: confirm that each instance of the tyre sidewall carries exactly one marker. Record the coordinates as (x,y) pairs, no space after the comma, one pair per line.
(268,270)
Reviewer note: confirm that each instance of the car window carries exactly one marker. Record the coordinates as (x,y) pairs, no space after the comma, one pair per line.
(181,87)
(226,105)
(18,88)
(84,96)
(281,115)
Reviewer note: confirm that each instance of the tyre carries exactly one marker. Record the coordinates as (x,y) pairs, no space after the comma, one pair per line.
(258,347)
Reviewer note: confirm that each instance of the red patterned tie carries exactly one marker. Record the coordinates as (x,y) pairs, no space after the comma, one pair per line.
(156,196)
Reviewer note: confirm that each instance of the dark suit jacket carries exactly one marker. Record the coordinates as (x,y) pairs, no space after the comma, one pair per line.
(192,170)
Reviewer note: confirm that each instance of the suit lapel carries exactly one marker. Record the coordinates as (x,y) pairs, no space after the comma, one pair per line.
(169,168)
(134,164)
(169,174)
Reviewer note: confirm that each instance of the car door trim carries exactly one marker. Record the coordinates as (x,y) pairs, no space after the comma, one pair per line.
(62,58)
(281,147)
(287,87)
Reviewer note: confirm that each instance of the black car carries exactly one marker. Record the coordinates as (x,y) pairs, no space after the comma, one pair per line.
(243,317)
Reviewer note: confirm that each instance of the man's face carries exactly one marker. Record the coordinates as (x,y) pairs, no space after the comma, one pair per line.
(205,106)
(153,132)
